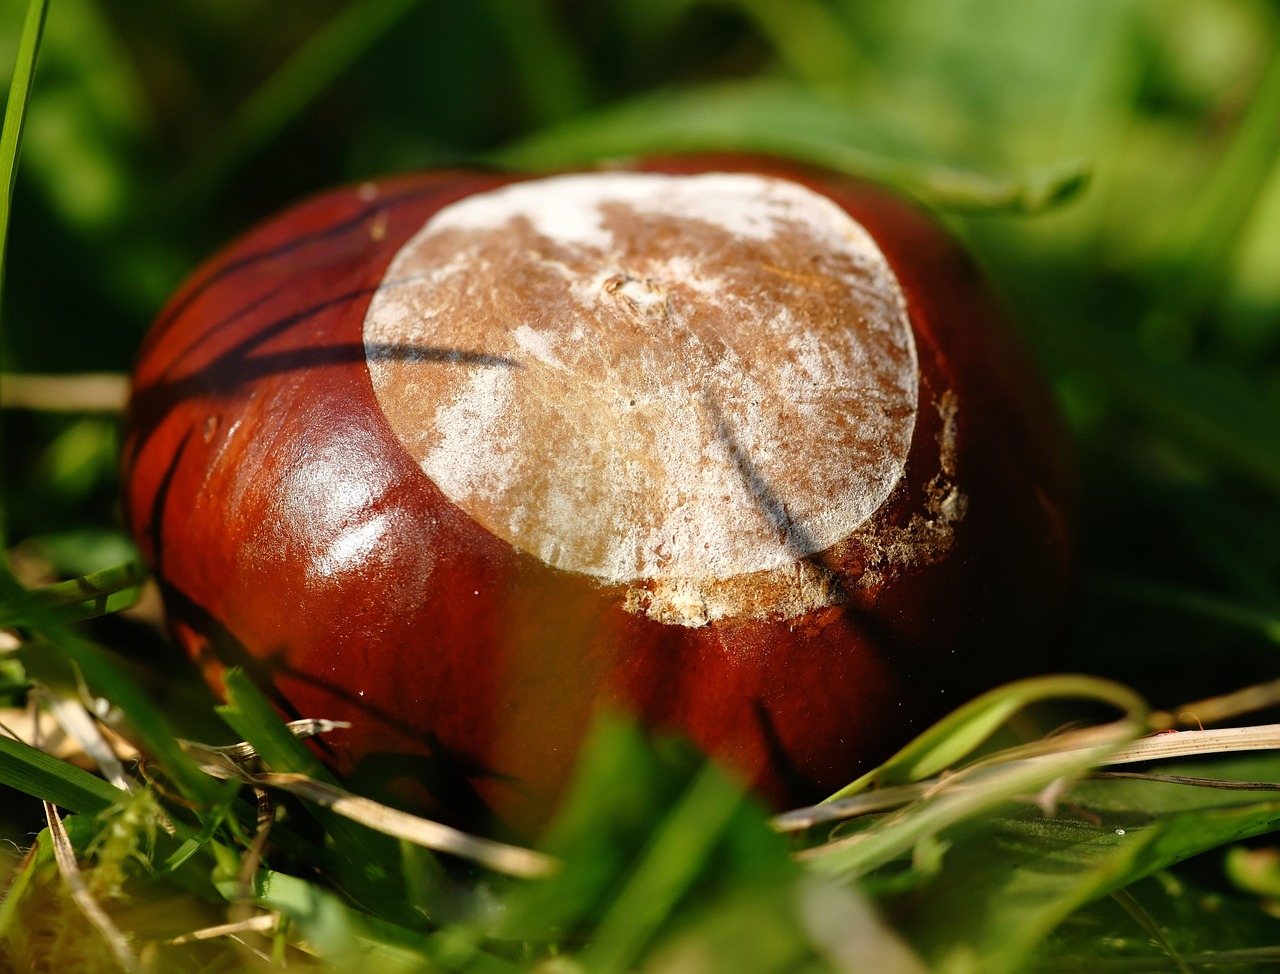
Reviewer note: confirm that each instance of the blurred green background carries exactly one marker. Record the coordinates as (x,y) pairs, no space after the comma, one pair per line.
(1112,162)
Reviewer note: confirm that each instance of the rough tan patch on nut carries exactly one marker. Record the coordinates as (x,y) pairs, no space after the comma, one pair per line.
(927,537)
(688,385)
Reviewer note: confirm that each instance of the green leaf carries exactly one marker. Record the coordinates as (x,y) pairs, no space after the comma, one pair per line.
(349,940)
(709,936)
(1012,877)
(678,852)
(1207,928)
(251,715)
(806,36)
(622,788)
(650,832)
(326,922)
(1207,238)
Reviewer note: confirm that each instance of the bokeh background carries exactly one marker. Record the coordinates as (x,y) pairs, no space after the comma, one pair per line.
(1114,165)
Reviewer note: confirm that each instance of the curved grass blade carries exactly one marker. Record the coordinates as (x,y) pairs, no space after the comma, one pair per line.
(351,940)
(1207,238)
(226,762)
(781,119)
(367,858)
(957,735)
(964,797)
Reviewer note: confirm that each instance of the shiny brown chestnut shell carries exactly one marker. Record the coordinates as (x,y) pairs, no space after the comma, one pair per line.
(317,467)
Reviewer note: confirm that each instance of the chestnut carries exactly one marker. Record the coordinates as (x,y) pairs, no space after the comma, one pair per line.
(738,447)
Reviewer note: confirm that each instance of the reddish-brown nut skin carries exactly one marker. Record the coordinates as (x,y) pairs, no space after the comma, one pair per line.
(471,669)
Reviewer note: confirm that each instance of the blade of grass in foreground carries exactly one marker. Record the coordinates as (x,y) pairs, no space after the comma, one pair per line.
(676,855)
(10,142)
(15,113)
(350,940)
(365,863)
(251,715)
(253,718)
(43,776)
(1207,237)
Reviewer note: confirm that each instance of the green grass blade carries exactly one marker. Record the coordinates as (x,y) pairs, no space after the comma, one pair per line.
(67,659)
(777,118)
(87,597)
(952,804)
(350,940)
(1192,602)
(327,923)
(960,733)
(58,657)
(367,862)
(15,112)
(1011,877)
(190,846)
(672,862)
(10,143)
(251,715)
(43,776)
